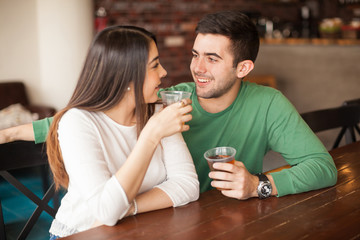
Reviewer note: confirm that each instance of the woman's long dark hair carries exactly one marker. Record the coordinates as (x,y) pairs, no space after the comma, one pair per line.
(117,56)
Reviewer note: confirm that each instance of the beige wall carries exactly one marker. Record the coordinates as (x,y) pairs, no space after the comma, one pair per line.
(19,48)
(313,76)
(44,44)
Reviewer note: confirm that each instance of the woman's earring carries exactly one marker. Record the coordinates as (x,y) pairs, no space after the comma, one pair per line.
(128,88)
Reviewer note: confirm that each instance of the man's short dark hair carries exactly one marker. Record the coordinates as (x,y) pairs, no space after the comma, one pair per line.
(238,27)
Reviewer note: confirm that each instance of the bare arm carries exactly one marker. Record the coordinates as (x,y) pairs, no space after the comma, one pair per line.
(21,132)
(152,200)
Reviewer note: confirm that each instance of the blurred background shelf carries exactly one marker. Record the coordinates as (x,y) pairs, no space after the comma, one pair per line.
(311,41)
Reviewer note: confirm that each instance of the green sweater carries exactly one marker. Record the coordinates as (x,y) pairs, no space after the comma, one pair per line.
(259,120)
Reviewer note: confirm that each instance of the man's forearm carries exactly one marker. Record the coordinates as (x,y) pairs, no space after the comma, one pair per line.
(21,132)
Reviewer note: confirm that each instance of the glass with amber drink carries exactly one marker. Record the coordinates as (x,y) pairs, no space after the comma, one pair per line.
(220,154)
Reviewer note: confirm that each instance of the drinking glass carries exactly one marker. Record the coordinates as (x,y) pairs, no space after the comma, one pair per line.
(170,97)
(220,154)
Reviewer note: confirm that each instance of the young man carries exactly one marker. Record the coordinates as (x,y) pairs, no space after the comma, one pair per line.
(253,119)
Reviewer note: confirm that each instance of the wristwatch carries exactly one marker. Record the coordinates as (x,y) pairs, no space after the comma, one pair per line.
(264,189)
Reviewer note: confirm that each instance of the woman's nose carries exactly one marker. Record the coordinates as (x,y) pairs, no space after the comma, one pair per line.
(163,72)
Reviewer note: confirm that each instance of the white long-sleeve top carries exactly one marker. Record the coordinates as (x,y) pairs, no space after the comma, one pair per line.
(94,147)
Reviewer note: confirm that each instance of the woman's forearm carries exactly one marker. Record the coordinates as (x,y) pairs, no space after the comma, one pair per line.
(132,173)
(154,199)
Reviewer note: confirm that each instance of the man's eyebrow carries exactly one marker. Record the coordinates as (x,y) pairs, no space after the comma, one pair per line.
(213,54)
(154,59)
(208,54)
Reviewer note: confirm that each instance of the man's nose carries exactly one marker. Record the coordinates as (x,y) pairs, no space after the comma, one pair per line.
(199,66)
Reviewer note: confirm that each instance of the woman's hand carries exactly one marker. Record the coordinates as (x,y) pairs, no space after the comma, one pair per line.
(169,120)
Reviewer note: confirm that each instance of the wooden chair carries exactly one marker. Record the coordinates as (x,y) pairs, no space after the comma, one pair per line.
(15,92)
(349,132)
(15,159)
(352,102)
(344,117)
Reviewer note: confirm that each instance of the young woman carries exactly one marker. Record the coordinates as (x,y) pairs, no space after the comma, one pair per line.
(108,148)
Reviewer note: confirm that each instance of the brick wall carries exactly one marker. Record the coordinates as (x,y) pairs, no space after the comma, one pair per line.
(174,22)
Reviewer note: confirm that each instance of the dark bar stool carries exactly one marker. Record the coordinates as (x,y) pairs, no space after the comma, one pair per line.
(344,117)
(22,155)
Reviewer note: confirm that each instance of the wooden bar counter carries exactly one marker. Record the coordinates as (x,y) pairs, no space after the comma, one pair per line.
(329,213)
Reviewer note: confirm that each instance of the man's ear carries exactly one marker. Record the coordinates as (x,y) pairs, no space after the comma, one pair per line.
(244,68)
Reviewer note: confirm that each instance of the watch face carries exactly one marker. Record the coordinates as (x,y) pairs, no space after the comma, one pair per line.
(266,190)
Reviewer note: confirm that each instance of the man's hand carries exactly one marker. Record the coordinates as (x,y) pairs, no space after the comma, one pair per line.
(234,180)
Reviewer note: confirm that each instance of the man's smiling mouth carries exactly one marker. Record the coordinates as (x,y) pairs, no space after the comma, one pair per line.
(203,80)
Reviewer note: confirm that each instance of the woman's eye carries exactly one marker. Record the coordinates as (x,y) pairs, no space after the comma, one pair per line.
(156,65)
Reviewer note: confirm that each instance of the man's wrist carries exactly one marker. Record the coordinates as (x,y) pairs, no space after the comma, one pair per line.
(264,189)
(256,184)
(10,134)
(274,189)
